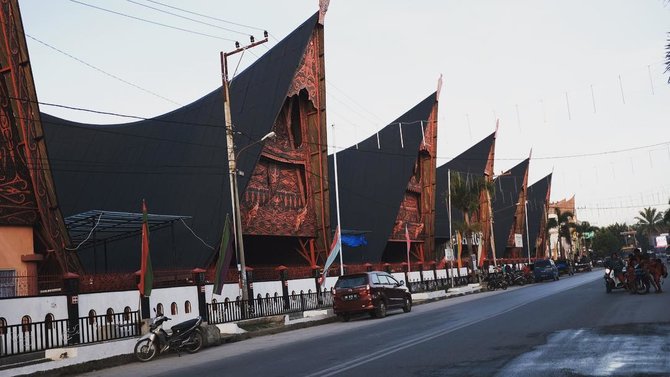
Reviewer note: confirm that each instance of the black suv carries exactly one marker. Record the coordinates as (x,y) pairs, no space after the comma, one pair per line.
(373,292)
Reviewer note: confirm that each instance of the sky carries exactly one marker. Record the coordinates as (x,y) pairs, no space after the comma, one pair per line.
(580,83)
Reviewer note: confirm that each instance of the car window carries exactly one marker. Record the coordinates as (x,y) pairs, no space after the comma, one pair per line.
(392,280)
(541,263)
(351,281)
(375,279)
(383,279)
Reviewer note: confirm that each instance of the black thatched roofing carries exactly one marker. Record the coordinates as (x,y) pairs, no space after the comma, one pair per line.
(471,162)
(176,161)
(372,181)
(507,189)
(537,195)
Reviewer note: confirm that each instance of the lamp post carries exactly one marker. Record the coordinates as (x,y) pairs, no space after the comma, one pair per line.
(232,160)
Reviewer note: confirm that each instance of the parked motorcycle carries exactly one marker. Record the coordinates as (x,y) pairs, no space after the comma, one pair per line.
(183,336)
(496,281)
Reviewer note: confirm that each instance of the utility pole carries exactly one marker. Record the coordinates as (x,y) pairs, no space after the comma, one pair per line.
(232,162)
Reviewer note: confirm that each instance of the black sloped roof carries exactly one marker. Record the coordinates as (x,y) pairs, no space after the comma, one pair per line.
(537,195)
(507,189)
(471,162)
(372,181)
(176,161)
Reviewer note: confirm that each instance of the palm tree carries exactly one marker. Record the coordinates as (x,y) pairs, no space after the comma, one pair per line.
(649,222)
(465,195)
(564,227)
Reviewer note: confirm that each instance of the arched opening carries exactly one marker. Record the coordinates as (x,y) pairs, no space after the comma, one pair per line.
(173,308)
(126,313)
(187,307)
(159,309)
(26,322)
(109,315)
(49,321)
(91,317)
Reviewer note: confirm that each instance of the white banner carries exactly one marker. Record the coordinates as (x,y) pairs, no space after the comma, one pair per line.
(518,240)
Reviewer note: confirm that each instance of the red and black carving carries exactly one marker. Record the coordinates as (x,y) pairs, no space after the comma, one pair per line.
(28,195)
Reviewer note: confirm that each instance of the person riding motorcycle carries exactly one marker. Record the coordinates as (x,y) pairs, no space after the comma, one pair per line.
(616,264)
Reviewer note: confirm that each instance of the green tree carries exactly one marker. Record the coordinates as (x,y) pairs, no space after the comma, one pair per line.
(649,223)
(606,242)
(465,194)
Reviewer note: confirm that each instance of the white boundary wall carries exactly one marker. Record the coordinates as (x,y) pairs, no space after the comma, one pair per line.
(13,309)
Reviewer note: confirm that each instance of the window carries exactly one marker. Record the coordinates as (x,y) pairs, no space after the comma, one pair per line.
(3,326)
(159,309)
(187,307)
(26,321)
(126,313)
(109,316)
(7,283)
(173,308)
(49,321)
(375,279)
(91,317)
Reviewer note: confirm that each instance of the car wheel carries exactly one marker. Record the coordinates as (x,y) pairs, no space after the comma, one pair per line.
(408,305)
(380,311)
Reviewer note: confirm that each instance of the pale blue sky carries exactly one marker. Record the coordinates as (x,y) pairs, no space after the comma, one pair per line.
(382,57)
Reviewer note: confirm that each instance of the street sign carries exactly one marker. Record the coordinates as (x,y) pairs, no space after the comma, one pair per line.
(518,240)
(449,253)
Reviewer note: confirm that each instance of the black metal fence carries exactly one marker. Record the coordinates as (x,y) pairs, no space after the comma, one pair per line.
(38,336)
(231,311)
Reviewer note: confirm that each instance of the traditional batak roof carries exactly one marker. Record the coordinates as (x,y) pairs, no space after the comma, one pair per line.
(471,162)
(373,176)
(538,193)
(508,187)
(176,161)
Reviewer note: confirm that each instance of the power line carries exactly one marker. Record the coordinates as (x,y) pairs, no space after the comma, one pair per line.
(151,22)
(205,16)
(187,18)
(102,71)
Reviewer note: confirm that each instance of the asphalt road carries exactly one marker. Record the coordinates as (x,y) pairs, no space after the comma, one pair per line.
(565,328)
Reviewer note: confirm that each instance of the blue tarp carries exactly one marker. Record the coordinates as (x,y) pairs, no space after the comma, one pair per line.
(354,240)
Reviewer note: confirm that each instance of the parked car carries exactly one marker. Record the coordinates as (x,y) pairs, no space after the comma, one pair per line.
(583,264)
(372,292)
(563,266)
(545,269)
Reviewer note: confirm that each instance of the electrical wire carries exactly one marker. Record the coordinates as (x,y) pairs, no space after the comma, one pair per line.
(151,22)
(102,71)
(196,236)
(186,18)
(87,237)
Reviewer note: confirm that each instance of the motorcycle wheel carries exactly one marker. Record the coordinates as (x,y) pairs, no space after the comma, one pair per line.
(641,287)
(491,286)
(503,285)
(145,350)
(196,342)
(521,282)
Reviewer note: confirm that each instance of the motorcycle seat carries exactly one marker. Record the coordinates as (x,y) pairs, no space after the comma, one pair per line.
(184,325)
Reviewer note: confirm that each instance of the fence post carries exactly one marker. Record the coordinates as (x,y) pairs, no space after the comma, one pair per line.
(199,279)
(302,301)
(145,307)
(283,276)
(71,287)
(250,288)
(316,272)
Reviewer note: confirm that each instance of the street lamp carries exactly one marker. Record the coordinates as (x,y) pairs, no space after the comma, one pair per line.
(232,160)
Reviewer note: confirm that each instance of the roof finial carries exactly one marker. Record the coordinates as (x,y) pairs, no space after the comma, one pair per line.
(323,8)
(439,88)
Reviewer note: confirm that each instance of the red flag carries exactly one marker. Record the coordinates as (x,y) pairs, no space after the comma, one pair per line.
(146,272)
(409,244)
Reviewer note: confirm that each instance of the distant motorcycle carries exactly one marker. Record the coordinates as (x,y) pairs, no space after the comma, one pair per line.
(184,336)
